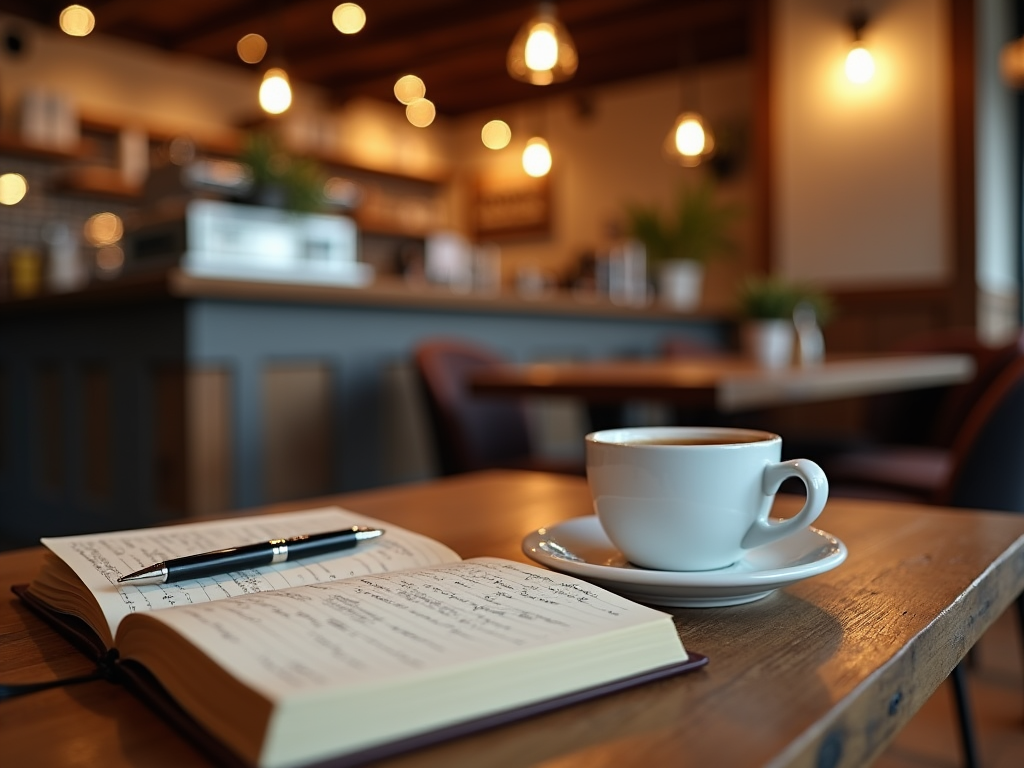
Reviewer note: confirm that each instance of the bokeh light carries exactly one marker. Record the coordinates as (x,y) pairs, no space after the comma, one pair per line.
(496,134)
(421,113)
(408,88)
(109,260)
(103,229)
(13,188)
(77,21)
(349,18)
(252,48)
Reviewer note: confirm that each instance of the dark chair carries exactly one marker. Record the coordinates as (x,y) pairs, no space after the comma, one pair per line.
(474,432)
(911,434)
(982,470)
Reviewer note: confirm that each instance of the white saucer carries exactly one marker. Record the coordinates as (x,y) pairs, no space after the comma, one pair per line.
(579,546)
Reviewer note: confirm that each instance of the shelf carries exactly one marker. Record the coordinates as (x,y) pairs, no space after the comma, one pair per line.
(97,182)
(15,145)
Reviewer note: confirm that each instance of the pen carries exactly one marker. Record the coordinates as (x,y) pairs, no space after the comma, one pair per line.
(249,556)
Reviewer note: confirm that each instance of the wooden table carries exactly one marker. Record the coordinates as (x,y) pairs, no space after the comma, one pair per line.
(823,673)
(726,384)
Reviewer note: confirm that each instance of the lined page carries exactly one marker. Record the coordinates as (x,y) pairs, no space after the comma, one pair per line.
(99,559)
(390,626)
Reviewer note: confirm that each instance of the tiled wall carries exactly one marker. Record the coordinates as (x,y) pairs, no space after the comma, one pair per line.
(26,223)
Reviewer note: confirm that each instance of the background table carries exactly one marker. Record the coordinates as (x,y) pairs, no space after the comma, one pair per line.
(822,673)
(726,384)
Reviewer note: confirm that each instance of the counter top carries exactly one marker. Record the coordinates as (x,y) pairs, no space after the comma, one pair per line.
(174,283)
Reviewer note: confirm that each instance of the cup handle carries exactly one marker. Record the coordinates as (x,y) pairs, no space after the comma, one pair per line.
(763,531)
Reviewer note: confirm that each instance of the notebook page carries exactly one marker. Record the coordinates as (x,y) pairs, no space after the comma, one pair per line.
(392,626)
(99,559)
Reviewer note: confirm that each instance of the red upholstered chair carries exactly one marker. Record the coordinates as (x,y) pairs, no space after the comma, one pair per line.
(474,432)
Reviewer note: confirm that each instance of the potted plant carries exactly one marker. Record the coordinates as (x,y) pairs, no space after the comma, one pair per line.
(696,230)
(280,180)
(770,306)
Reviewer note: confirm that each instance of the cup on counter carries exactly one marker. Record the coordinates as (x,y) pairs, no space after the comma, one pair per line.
(694,498)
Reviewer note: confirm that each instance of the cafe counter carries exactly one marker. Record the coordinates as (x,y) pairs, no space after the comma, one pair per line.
(162,395)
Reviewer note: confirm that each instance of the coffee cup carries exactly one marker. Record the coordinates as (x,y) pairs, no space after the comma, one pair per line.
(694,498)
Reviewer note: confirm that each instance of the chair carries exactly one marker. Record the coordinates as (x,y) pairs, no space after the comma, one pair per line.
(471,432)
(912,433)
(982,470)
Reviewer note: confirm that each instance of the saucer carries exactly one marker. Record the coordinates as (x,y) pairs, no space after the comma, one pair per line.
(579,546)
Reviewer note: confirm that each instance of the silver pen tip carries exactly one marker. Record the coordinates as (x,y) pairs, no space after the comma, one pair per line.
(368,533)
(154,574)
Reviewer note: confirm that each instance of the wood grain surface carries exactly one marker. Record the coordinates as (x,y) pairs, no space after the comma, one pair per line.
(726,383)
(823,673)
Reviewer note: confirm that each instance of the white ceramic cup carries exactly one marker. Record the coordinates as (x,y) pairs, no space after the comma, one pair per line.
(695,506)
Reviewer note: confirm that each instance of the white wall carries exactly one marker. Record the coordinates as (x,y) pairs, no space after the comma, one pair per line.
(862,174)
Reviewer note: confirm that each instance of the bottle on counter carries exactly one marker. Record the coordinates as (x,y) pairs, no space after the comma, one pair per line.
(66,269)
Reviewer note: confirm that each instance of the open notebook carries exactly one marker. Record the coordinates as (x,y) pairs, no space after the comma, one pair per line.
(348,657)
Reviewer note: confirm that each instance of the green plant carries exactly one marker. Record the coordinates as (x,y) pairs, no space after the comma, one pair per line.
(767,298)
(697,227)
(280,179)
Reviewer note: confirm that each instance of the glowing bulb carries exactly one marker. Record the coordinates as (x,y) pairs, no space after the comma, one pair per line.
(542,51)
(251,48)
(275,91)
(349,18)
(77,21)
(496,134)
(13,188)
(537,157)
(409,88)
(103,229)
(421,113)
(542,48)
(689,141)
(690,137)
(860,66)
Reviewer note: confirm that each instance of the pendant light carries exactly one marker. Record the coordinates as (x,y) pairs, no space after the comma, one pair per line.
(690,141)
(275,91)
(860,65)
(542,52)
(537,157)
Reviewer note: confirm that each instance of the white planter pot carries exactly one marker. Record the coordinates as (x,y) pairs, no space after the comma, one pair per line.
(680,282)
(769,342)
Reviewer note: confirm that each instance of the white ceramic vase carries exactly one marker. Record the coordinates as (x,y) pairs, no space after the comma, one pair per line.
(680,282)
(769,342)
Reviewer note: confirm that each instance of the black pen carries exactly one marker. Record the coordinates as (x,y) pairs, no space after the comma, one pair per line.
(249,556)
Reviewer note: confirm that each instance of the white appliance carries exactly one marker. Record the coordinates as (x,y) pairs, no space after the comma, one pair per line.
(232,240)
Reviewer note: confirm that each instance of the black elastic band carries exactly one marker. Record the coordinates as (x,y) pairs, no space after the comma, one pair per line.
(13,690)
(106,669)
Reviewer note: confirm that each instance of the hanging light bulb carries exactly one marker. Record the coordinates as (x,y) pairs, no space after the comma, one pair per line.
(690,141)
(860,64)
(542,51)
(537,157)
(275,91)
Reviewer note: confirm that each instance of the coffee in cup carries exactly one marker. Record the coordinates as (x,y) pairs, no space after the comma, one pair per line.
(694,498)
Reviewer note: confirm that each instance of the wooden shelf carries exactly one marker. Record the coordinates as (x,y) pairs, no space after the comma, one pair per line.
(97,182)
(14,145)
